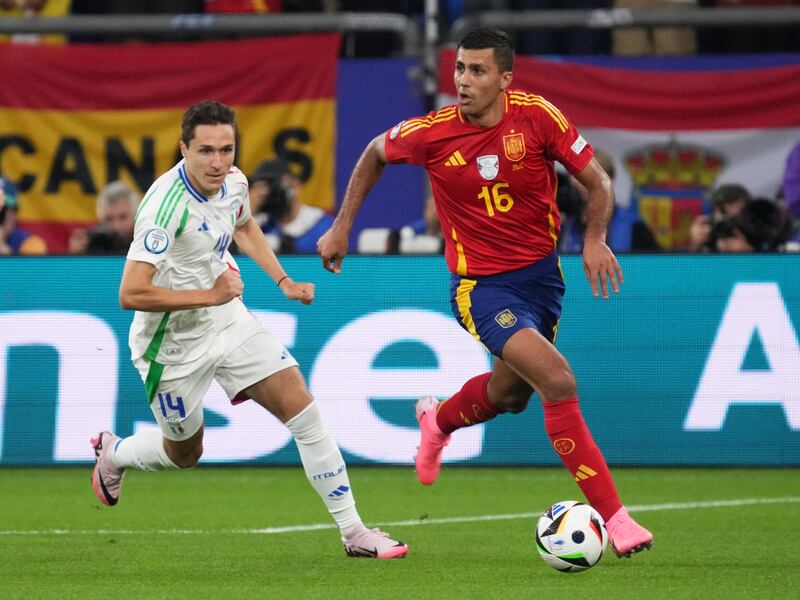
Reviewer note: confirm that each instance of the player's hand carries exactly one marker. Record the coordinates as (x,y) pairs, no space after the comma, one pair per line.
(227,287)
(599,263)
(296,290)
(332,247)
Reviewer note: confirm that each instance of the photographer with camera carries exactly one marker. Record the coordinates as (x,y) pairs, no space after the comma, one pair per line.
(13,240)
(290,226)
(760,226)
(116,209)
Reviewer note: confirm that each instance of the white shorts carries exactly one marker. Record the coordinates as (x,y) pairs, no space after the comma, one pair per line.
(177,401)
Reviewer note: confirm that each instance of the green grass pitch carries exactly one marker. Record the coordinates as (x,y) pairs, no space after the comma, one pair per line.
(720,533)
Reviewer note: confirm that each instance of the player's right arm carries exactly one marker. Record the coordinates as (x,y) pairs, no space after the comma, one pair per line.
(332,246)
(137,292)
(159,222)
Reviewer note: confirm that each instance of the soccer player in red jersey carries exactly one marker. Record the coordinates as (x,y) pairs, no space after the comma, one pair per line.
(490,161)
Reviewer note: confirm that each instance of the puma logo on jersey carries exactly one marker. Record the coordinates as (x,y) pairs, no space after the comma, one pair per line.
(455,160)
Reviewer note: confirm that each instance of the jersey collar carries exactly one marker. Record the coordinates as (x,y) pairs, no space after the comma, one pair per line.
(193,191)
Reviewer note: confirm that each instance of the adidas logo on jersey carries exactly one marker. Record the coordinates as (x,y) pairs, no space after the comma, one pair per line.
(455,160)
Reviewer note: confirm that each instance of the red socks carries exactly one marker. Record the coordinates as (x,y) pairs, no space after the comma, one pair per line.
(573,442)
(467,407)
(563,423)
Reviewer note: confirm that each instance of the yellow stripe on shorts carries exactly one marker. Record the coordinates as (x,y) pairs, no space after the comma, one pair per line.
(464,303)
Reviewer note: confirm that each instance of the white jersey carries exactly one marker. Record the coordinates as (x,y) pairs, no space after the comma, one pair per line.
(186,235)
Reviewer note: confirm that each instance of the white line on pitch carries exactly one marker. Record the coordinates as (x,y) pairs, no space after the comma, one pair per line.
(408,523)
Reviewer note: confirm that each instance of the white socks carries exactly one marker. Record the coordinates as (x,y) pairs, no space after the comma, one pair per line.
(325,467)
(144,451)
(322,461)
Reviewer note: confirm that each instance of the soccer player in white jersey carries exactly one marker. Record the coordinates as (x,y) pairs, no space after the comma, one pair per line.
(191,326)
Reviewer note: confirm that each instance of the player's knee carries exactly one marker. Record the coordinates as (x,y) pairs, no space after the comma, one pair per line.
(559,385)
(513,402)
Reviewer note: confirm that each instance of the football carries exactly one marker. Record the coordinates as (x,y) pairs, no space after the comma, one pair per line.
(571,536)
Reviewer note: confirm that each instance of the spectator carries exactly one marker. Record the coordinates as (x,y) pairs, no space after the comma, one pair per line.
(627,231)
(727,201)
(760,226)
(13,240)
(116,210)
(290,225)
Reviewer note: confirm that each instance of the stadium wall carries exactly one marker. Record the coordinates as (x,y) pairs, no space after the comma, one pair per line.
(694,363)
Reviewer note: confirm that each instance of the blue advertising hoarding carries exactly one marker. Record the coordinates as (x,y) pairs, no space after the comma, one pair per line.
(695,362)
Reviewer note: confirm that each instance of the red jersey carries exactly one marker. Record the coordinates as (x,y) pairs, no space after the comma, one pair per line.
(494,188)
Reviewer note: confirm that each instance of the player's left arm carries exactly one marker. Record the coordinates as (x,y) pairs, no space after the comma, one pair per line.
(250,240)
(599,262)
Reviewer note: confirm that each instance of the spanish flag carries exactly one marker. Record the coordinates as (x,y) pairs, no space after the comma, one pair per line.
(74,118)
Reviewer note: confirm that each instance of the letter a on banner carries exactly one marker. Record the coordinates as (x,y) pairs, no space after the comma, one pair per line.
(754,309)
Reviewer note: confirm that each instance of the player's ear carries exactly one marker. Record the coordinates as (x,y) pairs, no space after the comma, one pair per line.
(505,79)
(184,149)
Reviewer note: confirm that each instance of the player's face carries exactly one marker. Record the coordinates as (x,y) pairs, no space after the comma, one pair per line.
(209,156)
(480,84)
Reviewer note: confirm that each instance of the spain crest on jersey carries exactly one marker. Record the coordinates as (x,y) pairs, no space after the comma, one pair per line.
(514,146)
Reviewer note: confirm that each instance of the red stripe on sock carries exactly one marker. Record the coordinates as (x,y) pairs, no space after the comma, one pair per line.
(468,406)
(576,448)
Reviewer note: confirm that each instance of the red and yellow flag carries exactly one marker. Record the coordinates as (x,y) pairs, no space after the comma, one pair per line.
(73,118)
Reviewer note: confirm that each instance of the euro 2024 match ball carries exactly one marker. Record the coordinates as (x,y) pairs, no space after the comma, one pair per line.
(571,536)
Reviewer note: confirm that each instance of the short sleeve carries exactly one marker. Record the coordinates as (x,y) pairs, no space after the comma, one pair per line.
(406,142)
(156,226)
(563,141)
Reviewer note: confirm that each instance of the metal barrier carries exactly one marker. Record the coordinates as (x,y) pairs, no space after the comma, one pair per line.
(402,26)
(625,17)
(399,25)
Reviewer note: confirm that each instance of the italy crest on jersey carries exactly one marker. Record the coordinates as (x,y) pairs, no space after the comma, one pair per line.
(514,146)
(488,166)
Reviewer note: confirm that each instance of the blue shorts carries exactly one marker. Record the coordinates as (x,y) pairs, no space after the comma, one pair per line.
(492,308)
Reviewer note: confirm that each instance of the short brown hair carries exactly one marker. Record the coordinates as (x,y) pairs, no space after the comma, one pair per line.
(207,112)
